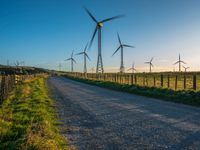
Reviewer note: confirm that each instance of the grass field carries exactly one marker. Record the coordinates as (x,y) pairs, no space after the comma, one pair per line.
(28,119)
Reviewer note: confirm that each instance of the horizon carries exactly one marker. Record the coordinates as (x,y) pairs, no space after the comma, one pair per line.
(43,34)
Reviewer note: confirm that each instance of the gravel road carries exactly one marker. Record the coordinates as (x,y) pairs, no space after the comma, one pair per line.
(97,118)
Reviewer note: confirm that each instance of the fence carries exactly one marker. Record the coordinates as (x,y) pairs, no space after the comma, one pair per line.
(8,82)
(173,80)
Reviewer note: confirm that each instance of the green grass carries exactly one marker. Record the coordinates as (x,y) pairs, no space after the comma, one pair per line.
(186,97)
(28,119)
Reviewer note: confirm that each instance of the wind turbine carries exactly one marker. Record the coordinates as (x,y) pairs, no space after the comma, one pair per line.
(121,47)
(85,57)
(179,62)
(8,63)
(99,25)
(22,63)
(59,66)
(72,61)
(150,64)
(17,63)
(132,68)
(186,68)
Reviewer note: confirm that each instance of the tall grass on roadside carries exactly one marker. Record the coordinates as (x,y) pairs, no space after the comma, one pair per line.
(28,119)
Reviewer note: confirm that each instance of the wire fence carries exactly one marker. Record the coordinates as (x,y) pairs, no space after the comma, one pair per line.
(8,83)
(172,80)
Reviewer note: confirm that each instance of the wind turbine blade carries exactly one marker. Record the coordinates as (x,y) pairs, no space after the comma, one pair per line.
(87,56)
(90,14)
(112,18)
(85,47)
(147,62)
(151,59)
(95,31)
(80,53)
(67,59)
(183,62)
(72,54)
(73,60)
(176,63)
(129,69)
(125,45)
(119,39)
(116,51)
(151,64)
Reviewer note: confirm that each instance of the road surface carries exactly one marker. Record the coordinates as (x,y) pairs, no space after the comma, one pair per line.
(98,118)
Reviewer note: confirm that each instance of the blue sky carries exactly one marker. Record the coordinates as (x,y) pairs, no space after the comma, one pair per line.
(44,32)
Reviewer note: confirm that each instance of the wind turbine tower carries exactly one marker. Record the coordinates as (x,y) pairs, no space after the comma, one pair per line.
(59,66)
(150,64)
(132,68)
(85,58)
(121,47)
(186,68)
(179,62)
(72,61)
(98,28)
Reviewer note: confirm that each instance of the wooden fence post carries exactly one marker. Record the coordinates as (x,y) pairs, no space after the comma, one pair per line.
(184,82)
(154,81)
(176,82)
(161,80)
(168,81)
(135,79)
(194,82)
(2,89)
(147,81)
(143,80)
(131,79)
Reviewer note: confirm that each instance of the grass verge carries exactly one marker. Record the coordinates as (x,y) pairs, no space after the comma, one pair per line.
(28,119)
(184,97)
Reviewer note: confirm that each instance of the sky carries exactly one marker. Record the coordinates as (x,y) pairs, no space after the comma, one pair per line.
(43,33)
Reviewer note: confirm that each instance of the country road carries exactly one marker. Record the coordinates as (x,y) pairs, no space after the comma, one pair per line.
(97,118)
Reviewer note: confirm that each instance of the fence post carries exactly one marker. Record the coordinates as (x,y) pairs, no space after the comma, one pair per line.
(135,79)
(147,84)
(168,81)
(161,80)
(176,82)
(194,82)
(131,79)
(143,80)
(2,89)
(154,81)
(184,82)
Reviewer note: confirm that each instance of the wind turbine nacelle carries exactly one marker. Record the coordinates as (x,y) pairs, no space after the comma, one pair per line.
(100,24)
